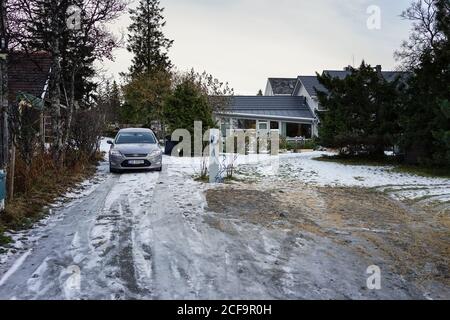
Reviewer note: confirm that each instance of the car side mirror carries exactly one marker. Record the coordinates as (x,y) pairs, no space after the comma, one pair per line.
(110,142)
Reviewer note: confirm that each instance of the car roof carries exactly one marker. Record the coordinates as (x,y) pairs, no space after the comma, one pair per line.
(135,130)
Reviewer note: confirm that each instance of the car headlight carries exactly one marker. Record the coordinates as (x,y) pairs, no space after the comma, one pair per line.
(116,153)
(155,153)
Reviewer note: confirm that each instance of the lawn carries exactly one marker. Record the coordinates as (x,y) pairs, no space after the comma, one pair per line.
(423,171)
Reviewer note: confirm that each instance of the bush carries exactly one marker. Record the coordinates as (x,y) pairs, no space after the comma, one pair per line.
(4,239)
(297,145)
(88,127)
(285,145)
(310,144)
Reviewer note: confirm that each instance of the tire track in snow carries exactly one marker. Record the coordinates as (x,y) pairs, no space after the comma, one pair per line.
(58,245)
(174,241)
(120,255)
(14,267)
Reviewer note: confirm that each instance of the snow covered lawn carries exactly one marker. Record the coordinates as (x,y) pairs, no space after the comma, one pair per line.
(303,168)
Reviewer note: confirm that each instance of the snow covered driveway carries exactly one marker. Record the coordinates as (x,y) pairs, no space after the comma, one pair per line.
(149,235)
(137,235)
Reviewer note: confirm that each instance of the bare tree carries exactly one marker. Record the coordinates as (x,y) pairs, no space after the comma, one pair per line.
(425,35)
(217,92)
(91,42)
(43,25)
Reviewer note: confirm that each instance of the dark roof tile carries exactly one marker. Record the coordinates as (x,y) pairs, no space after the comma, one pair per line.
(270,107)
(312,84)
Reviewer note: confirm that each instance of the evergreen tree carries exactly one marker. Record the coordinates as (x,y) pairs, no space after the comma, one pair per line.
(361,116)
(144,95)
(260,93)
(186,105)
(115,101)
(110,98)
(146,40)
(425,115)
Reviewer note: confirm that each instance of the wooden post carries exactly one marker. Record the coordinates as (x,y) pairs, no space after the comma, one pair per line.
(4,105)
(42,130)
(12,169)
(4,140)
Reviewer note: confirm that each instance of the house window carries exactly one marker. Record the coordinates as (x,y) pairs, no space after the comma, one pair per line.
(263,126)
(294,130)
(274,125)
(245,124)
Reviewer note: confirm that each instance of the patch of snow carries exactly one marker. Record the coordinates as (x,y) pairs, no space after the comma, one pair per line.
(302,167)
(14,267)
(104,146)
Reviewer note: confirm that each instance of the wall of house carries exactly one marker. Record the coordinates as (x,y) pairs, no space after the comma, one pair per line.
(269,90)
(313,104)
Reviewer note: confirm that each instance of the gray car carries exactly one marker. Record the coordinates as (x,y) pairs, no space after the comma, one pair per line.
(135,149)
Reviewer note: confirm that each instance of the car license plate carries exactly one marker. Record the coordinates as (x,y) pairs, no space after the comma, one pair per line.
(136,162)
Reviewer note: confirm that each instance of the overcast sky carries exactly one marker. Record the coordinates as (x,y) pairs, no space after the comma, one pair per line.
(247,41)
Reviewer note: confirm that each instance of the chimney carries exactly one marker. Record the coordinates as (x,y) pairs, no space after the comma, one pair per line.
(378,69)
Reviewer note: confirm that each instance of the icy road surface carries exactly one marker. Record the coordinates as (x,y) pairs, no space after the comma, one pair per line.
(149,235)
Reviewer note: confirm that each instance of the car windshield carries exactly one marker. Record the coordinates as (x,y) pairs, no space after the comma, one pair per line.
(135,137)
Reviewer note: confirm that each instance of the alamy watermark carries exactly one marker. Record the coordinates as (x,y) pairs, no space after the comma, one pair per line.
(374,19)
(374,280)
(73,20)
(72,284)
(222,149)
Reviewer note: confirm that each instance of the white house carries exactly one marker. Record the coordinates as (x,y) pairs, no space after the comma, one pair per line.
(289,105)
(289,114)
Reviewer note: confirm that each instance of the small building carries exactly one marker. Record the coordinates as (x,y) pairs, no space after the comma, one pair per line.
(28,79)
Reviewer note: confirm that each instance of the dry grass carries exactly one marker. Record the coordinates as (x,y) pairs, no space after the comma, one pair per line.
(413,240)
(40,184)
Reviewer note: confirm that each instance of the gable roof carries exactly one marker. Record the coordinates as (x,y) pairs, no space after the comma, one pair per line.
(269,107)
(387,75)
(282,86)
(312,84)
(28,73)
